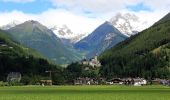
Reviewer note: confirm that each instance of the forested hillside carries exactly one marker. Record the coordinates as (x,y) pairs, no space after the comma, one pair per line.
(16,58)
(136,56)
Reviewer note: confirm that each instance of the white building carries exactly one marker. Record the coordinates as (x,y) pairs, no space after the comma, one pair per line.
(94,62)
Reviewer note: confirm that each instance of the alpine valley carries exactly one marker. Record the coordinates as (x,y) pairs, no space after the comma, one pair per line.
(32,49)
(61,46)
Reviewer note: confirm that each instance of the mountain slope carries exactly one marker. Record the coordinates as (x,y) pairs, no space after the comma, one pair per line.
(16,58)
(36,36)
(6,42)
(134,57)
(102,38)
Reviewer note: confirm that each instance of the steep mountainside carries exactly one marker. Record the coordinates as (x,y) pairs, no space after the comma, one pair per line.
(134,57)
(36,36)
(102,38)
(16,58)
(6,44)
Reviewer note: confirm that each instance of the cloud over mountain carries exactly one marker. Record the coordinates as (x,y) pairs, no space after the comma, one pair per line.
(80,16)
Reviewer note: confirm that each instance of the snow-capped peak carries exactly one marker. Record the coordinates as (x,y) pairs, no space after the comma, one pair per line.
(64,32)
(10,25)
(126,23)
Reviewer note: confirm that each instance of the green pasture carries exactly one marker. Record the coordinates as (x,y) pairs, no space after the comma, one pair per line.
(85,93)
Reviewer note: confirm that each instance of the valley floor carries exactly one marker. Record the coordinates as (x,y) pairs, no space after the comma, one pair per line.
(85,93)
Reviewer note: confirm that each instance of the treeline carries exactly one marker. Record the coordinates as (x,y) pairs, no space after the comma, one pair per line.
(136,56)
(32,69)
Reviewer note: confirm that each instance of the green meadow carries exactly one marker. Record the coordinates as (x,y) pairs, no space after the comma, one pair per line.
(85,93)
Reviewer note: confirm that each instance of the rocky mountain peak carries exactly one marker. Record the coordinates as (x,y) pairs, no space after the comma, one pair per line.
(125,23)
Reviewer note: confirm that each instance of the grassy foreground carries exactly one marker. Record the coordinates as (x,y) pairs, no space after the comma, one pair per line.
(85,93)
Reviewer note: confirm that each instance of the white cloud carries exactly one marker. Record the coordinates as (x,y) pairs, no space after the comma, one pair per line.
(8,17)
(157,4)
(80,22)
(77,23)
(106,6)
(18,1)
(146,19)
(95,6)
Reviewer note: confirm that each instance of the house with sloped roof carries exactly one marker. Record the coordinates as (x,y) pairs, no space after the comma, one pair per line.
(14,77)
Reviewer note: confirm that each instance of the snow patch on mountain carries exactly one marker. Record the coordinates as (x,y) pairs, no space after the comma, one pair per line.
(64,32)
(109,36)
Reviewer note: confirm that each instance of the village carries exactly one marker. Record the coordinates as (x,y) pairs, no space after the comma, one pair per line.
(121,81)
(16,77)
(94,63)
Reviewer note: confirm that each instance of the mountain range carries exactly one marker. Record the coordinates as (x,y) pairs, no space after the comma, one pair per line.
(121,51)
(64,46)
(38,37)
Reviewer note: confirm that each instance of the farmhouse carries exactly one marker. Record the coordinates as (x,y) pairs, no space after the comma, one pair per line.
(45,82)
(139,82)
(128,81)
(117,81)
(80,81)
(114,81)
(158,81)
(14,77)
(85,81)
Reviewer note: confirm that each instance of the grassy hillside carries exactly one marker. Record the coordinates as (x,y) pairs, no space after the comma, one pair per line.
(17,48)
(134,56)
(16,58)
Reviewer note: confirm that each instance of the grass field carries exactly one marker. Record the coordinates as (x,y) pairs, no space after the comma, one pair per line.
(85,93)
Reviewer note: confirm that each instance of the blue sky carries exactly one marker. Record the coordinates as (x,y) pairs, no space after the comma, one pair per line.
(139,7)
(84,14)
(39,6)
